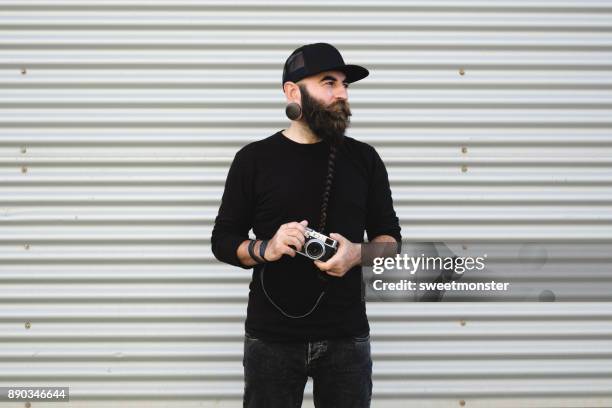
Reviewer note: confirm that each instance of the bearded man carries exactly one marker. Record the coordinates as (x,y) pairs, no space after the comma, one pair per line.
(305,317)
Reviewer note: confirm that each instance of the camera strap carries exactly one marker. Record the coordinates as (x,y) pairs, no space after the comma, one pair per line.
(263,287)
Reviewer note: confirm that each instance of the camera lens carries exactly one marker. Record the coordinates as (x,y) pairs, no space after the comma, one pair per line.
(314,249)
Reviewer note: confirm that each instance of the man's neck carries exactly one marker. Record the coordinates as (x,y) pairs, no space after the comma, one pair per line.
(301,133)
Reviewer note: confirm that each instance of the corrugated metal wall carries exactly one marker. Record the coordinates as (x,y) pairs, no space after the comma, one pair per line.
(119,119)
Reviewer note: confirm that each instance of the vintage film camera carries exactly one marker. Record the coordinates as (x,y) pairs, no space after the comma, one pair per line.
(318,246)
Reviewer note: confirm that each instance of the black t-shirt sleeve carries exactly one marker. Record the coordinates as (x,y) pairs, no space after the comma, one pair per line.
(235,217)
(381,218)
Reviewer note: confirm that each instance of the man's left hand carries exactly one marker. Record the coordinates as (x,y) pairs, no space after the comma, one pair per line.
(347,256)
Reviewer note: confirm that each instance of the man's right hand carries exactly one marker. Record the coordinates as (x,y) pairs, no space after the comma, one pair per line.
(292,234)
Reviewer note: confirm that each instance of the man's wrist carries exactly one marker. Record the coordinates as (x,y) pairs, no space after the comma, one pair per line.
(355,254)
(255,251)
(262,249)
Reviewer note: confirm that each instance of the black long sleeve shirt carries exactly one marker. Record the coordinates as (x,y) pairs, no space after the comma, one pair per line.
(275,181)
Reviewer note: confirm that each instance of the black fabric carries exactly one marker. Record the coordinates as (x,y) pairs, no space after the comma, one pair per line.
(275,373)
(275,181)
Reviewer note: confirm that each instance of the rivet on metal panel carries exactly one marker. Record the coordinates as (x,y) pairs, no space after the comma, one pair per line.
(463,149)
(462,322)
(24,169)
(462,403)
(464,168)
(23,71)
(28,325)
(28,404)
(27,246)
(461,71)
(23,149)
(464,246)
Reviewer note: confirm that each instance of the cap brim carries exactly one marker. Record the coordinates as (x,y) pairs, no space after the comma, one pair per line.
(353,72)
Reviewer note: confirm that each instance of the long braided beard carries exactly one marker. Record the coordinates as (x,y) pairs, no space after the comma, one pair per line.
(329,123)
(331,162)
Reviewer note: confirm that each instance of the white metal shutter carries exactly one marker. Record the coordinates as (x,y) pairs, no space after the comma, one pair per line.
(119,119)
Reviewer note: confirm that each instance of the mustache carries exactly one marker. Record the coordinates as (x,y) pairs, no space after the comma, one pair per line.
(341,108)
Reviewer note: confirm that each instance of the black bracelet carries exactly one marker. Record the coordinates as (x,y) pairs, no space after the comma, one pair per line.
(262,249)
(251,252)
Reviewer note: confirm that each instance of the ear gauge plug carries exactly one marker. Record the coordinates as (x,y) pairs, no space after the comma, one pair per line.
(293,111)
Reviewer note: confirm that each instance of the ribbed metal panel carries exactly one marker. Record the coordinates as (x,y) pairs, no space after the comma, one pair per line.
(119,119)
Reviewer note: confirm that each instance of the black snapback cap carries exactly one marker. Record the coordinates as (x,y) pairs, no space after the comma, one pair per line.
(312,59)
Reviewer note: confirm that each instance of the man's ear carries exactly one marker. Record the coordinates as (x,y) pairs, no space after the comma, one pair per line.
(292,92)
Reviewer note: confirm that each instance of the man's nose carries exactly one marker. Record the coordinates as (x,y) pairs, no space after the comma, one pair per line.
(341,93)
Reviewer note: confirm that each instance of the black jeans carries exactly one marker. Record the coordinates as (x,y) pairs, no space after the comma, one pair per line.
(275,373)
